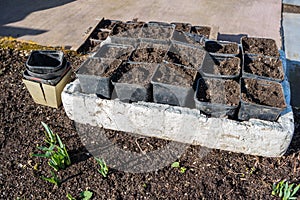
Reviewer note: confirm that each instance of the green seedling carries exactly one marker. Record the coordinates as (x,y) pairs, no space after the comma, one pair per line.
(50,137)
(285,190)
(69,196)
(177,165)
(53,179)
(86,195)
(57,154)
(103,167)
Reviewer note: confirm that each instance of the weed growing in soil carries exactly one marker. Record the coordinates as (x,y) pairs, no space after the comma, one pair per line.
(103,167)
(53,179)
(57,154)
(285,190)
(85,195)
(177,165)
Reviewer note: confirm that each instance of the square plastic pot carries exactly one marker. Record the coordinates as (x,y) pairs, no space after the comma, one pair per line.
(221,67)
(157,30)
(128,29)
(114,51)
(255,105)
(211,97)
(132,82)
(259,46)
(263,67)
(150,51)
(188,38)
(182,27)
(222,48)
(173,85)
(201,31)
(95,76)
(184,54)
(43,62)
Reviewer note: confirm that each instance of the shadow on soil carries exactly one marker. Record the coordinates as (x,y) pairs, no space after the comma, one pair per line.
(16,10)
(295,144)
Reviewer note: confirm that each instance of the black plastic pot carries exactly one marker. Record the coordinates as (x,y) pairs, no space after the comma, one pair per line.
(95,76)
(210,97)
(50,75)
(43,62)
(53,81)
(219,48)
(132,82)
(156,30)
(114,51)
(215,66)
(173,85)
(184,54)
(264,69)
(250,109)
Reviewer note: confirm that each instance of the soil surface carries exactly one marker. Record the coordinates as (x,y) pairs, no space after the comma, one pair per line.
(131,30)
(262,66)
(291,8)
(100,67)
(112,51)
(219,91)
(210,174)
(136,73)
(185,55)
(201,30)
(149,52)
(184,27)
(222,48)
(263,46)
(223,66)
(175,75)
(263,92)
(156,31)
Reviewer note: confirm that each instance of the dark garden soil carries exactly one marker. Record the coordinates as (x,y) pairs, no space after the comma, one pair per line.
(184,27)
(157,31)
(223,66)
(216,47)
(263,46)
(131,30)
(263,92)
(175,75)
(100,67)
(210,174)
(115,52)
(185,55)
(135,73)
(149,52)
(219,91)
(201,30)
(262,66)
(291,8)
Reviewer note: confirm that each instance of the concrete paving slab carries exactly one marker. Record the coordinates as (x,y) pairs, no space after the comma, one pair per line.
(292,2)
(291,28)
(69,22)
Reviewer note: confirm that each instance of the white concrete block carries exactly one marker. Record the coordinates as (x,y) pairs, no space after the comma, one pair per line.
(185,125)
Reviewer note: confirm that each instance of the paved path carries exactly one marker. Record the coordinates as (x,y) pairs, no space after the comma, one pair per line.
(68,22)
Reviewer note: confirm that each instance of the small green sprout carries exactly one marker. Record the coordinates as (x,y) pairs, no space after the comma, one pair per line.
(182,170)
(53,179)
(103,167)
(86,195)
(285,190)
